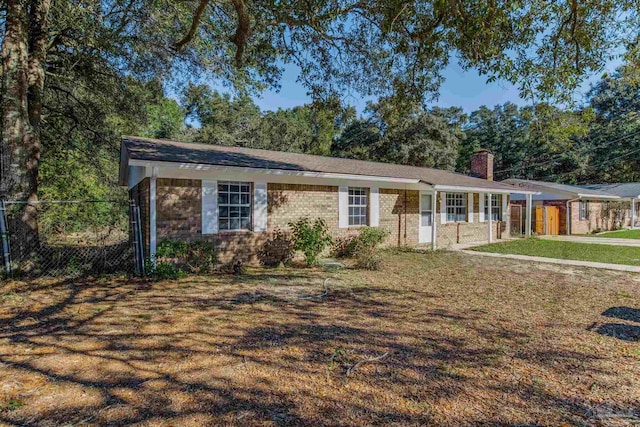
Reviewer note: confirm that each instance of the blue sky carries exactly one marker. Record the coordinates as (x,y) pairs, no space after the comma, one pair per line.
(466,89)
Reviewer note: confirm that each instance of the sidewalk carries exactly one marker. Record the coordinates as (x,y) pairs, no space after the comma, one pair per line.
(595,240)
(571,262)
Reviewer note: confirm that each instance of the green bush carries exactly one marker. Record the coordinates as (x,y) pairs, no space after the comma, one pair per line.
(363,244)
(162,270)
(201,257)
(279,249)
(167,271)
(344,247)
(366,248)
(310,237)
(172,249)
(197,257)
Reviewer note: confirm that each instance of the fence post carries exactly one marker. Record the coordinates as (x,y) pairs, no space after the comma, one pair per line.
(4,235)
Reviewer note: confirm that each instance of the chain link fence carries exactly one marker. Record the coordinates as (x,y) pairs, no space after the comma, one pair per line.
(70,238)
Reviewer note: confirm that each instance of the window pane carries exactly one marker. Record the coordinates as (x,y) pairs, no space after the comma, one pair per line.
(234,200)
(426,219)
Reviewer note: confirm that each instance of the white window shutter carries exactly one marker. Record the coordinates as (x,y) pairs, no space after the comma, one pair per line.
(343,207)
(443,208)
(481,206)
(260,206)
(209,207)
(470,207)
(374,207)
(504,207)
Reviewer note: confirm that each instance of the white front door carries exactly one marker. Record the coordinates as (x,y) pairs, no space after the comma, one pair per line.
(426,217)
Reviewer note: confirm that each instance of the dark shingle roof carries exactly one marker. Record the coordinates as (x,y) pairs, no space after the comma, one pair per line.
(574,191)
(147,149)
(628,189)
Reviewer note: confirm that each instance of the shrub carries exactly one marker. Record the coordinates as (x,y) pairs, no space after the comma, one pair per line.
(201,257)
(366,248)
(171,249)
(198,257)
(162,270)
(344,247)
(310,238)
(278,249)
(369,239)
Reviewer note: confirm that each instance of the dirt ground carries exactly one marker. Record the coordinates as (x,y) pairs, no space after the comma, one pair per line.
(433,339)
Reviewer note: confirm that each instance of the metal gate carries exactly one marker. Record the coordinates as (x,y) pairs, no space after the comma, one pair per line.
(71,238)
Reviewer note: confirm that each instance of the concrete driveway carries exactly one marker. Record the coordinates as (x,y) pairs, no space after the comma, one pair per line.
(595,240)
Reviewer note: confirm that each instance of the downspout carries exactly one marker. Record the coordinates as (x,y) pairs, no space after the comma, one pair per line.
(568,215)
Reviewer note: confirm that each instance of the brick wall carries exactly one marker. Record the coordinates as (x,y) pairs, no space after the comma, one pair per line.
(597,218)
(450,234)
(179,208)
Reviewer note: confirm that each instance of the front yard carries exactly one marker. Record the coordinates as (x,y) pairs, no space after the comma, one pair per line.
(621,234)
(452,340)
(610,254)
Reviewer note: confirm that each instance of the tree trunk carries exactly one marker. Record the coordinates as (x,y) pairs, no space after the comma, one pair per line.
(23,64)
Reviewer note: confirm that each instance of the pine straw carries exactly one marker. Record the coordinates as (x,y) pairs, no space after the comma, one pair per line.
(508,343)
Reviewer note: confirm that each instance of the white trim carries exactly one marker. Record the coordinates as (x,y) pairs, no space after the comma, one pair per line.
(633,213)
(260,206)
(490,219)
(527,225)
(462,189)
(136,174)
(469,207)
(374,207)
(443,207)
(434,223)
(343,207)
(209,207)
(425,233)
(481,208)
(202,167)
(505,212)
(153,213)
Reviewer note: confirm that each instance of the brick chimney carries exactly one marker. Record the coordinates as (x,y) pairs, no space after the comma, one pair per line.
(482,164)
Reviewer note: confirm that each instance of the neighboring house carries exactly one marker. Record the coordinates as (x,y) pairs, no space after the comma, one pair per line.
(588,208)
(630,192)
(237,197)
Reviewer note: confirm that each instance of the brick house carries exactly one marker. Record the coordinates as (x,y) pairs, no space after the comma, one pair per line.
(236,197)
(589,208)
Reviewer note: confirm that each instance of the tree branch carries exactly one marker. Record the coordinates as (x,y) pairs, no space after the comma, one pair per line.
(243,30)
(180,45)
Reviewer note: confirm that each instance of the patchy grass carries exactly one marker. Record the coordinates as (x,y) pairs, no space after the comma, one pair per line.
(620,234)
(611,254)
(467,343)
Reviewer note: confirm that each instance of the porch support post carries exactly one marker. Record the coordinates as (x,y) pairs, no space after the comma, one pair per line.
(490,219)
(633,213)
(152,213)
(434,223)
(527,225)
